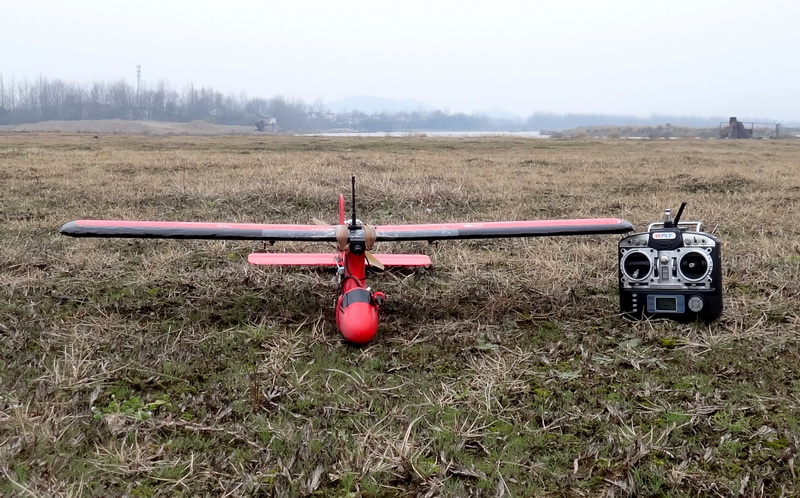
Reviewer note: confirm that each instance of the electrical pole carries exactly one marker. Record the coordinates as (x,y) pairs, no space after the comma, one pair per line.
(138,82)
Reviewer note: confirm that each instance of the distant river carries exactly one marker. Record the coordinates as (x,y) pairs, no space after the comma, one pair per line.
(456,134)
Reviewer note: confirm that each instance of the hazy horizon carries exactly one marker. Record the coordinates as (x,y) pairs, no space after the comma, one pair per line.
(685,58)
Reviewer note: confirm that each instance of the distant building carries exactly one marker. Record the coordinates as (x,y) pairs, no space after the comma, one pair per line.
(735,129)
(266,123)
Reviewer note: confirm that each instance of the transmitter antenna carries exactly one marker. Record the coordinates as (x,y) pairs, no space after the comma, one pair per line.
(680,212)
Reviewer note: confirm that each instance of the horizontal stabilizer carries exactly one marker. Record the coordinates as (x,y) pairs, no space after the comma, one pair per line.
(329,259)
(403,259)
(289,259)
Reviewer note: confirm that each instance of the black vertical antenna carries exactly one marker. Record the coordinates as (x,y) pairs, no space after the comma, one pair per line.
(680,212)
(353,225)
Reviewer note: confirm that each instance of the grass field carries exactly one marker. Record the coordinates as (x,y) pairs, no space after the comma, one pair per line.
(144,367)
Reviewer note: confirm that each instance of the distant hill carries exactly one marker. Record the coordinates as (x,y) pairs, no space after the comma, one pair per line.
(371,105)
(499,113)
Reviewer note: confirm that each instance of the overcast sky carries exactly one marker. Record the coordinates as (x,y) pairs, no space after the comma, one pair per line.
(685,57)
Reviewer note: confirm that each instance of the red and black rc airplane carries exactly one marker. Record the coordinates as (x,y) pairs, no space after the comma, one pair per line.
(357,306)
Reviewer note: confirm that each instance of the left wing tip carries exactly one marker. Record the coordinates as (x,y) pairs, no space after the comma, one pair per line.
(69,228)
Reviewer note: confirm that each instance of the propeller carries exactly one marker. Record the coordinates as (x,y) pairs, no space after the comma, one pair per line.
(371,259)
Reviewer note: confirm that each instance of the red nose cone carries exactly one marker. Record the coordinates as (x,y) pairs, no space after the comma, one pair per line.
(359,322)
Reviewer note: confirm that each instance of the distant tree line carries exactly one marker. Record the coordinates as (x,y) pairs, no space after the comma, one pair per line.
(421,121)
(44,99)
(54,99)
(553,121)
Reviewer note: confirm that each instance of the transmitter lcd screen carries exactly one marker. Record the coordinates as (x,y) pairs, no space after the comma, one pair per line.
(666,304)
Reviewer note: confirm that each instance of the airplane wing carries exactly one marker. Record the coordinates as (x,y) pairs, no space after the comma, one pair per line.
(318,233)
(196,230)
(498,229)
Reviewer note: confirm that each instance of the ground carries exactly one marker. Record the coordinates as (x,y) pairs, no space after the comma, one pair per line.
(144,367)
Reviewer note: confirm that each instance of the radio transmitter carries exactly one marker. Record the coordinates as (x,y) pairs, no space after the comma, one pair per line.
(672,271)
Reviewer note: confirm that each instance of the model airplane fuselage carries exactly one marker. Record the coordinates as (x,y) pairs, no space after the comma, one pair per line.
(357,306)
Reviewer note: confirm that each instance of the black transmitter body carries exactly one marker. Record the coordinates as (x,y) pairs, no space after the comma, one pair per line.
(671,271)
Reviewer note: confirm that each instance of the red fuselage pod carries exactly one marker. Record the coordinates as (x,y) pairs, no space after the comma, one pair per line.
(357,316)
(356,311)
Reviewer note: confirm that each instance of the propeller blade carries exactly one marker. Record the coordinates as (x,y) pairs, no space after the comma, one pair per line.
(318,221)
(373,261)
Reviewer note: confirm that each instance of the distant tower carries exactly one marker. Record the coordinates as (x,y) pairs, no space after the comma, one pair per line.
(138,99)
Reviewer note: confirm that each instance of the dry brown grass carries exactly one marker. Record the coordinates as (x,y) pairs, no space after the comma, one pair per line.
(165,367)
